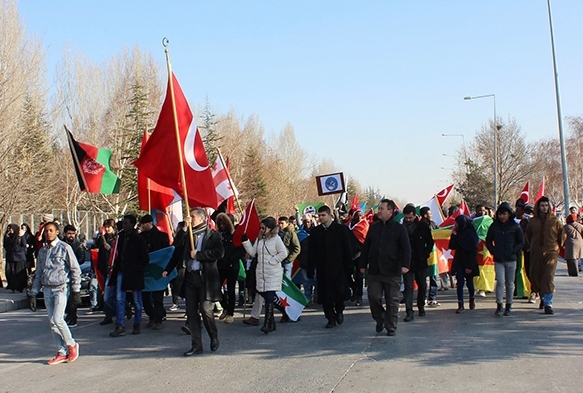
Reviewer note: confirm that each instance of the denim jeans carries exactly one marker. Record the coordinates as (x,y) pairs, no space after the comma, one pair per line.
(287,269)
(109,299)
(93,289)
(120,304)
(309,284)
(55,303)
(547,299)
(505,272)
(462,277)
(432,294)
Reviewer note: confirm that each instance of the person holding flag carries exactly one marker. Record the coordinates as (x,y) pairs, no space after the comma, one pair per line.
(270,252)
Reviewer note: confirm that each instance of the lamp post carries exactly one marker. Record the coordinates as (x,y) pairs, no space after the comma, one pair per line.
(559,117)
(496,129)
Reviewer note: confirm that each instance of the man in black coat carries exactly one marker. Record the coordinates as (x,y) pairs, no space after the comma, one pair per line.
(387,254)
(201,285)
(128,274)
(421,246)
(330,254)
(153,301)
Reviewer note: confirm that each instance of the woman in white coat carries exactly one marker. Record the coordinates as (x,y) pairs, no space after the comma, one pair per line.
(270,252)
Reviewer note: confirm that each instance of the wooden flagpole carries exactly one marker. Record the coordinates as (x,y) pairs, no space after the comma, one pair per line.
(230,180)
(177,133)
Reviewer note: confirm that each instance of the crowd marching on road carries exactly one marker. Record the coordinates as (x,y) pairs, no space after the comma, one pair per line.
(338,253)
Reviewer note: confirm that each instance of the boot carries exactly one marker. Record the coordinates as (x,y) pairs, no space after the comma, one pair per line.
(409,316)
(421,311)
(460,308)
(269,323)
(549,310)
(136,329)
(472,303)
(507,310)
(498,311)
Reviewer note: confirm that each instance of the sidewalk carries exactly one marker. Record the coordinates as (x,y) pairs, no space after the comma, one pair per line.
(12,301)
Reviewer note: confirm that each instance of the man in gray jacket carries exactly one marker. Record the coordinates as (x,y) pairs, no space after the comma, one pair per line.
(57,270)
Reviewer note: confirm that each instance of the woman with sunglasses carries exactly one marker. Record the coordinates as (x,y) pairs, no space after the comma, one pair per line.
(270,252)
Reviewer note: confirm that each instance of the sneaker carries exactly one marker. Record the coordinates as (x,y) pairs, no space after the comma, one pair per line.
(532,298)
(229,319)
(73,352)
(433,303)
(58,359)
(223,315)
(92,310)
(481,293)
(174,307)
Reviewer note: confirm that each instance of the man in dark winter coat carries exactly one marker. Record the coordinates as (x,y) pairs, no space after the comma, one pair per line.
(387,254)
(153,301)
(331,256)
(128,274)
(421,246)
(71,239)
(201,285)
(504,240)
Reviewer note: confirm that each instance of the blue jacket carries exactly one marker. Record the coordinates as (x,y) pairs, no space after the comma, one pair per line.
(56,266)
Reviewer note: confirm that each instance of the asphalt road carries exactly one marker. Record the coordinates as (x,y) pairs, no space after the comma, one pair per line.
(475,351)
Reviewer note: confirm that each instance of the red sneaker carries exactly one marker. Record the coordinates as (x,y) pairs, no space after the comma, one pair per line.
(73,352)
(57,359)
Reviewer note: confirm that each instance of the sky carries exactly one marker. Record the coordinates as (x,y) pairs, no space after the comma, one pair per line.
(371,85)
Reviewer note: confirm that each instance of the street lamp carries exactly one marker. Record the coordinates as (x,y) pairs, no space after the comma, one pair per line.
(496,129)
(559,117)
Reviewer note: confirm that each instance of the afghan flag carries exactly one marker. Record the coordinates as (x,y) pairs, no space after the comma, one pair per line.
(92,168)
(291,299)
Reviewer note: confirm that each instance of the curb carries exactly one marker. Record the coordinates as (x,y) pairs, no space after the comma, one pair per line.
(11,305)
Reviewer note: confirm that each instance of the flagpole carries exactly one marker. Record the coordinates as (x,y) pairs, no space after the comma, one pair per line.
(76,158)
(230,180)
(247,223)
(148,181)
(177,132)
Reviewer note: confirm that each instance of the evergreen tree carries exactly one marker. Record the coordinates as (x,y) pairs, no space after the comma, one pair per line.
(210,135)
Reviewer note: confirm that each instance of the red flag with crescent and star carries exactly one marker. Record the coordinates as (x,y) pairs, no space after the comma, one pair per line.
(249,225)
(160,160)
(525,194)
(443,194)
(541,190)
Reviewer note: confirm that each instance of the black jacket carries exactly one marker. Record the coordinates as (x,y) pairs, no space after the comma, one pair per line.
(504,240)
(386,249)
(421,245)
(467,259)
(131,260)
(211,251)
(155,239)
(230,259)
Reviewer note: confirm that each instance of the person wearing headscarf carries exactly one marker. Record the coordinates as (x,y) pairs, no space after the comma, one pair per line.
(464,240)
(573,244)
(15,251)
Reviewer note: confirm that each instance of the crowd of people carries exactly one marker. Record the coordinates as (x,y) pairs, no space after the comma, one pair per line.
(336,251)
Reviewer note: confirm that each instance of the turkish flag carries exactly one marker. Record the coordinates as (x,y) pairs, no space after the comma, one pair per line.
(370,216)
(248,225)
(541,190)
(443,194)
(354,205)
(465,209)
(525,194)
(160,160)
(231,199)
(222,179)
(159,197)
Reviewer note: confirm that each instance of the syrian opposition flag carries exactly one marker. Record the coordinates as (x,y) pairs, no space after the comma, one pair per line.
(525,194)
(443,194)
(249,225)
(152,195)
(541,190)
(291,299)
(223,182)
(160,158)
(92,167)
